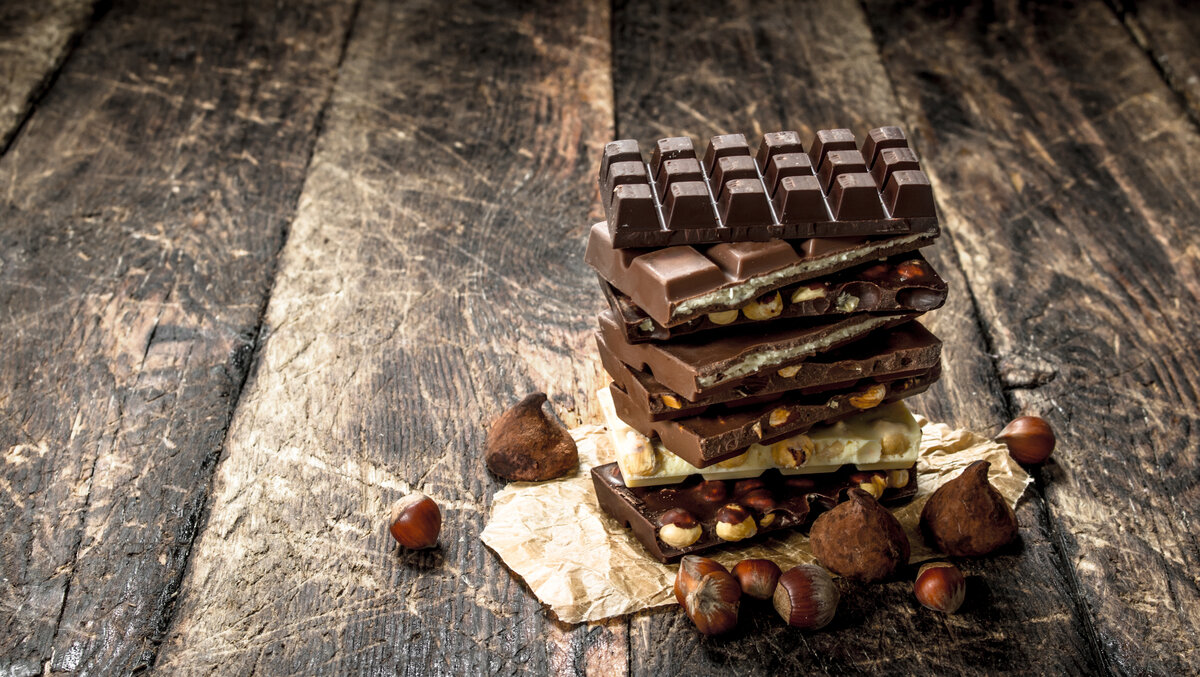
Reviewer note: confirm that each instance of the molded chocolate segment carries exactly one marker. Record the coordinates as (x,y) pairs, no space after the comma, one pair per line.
(838,162)
(733,167)
(720,432)
(625,150)
(827,140)
(892,160)
(701,364)
(908,347)
(678,271)
(784,165)
(743,202)
(879,139)
(887,286)
(776,143)
(908,193)
(673,148)
(795,501)
(724,146)
(633,207)
(853,196)
(812,258)
(679,218)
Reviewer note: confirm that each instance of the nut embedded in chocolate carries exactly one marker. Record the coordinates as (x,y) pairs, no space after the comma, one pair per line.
(860,539)
(967,516)
(524,444)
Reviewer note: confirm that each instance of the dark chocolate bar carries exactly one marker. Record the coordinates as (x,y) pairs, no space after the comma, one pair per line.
(700,365)
(794,501)
(833,190)
(883,354)
(722,432)
(678,284)
(905,282)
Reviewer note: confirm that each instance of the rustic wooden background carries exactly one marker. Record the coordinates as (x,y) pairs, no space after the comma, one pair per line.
(266,266)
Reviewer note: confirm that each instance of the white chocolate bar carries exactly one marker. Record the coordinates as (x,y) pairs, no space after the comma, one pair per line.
(884,438)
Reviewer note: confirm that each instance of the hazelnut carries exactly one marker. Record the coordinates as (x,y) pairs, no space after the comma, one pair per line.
(859,539)
(712,491)
(709,595)
(767,520)
(778,417)
(871,397)
(416,521)
(1029,439)
(671,401)
(806,597)
(789,372)
(759,500)
(847,303)
(811,293)
(897,479)
(914,269)
(524,444)
(734,461)
(723,317)
(792,452)
(747,485)
(640,457)
(967,516)
(940,586)
(678,528)
(765,308)
(757,577)
(735,523)
(874,485)
(893,443)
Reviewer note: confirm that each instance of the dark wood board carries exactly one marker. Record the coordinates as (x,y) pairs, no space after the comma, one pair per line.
(700,70)
(35,37)
(1067,170)
(1170,33)
(434,275)
(141,211)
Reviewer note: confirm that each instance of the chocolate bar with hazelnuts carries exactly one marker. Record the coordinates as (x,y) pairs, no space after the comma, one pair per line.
(834,188)
(902,283)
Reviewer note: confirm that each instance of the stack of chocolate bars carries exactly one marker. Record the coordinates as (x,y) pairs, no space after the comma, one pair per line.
(760,331)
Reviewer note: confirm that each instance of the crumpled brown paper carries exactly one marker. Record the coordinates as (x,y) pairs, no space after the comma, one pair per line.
(587,567)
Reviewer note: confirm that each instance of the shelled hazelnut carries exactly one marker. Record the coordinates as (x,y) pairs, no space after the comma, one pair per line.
(678,528)
(735,523)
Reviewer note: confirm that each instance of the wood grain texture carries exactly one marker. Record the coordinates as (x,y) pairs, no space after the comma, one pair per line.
(142,209)
(35,37)
(702,70)
(433,276)
(1170,33)
(1068,171)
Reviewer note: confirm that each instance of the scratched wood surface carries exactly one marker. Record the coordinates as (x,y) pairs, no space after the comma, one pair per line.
(264,268)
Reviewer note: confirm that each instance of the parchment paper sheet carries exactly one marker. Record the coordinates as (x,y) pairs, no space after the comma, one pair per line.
(587,567)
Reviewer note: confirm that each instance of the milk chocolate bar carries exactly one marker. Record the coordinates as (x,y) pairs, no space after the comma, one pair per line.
(678,284)
(700,366)
(905,282)
(724,432)
(833,190)
(775,501)
(885,354)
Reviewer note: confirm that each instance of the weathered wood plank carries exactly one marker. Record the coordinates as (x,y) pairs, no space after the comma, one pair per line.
(703,70)
(1170,33)
(433,276)
(34,40)
(141,211)
(1068,172)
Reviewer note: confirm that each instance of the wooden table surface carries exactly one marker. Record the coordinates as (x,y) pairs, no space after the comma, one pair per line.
(267,266)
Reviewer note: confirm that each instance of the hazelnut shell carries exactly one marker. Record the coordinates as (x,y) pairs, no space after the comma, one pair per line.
(416,521)
(967,517)
(860,539)
(940,586)
(806,597)
(524,444)
(758,577)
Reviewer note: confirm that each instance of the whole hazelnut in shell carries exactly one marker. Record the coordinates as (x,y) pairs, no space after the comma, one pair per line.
(757,577)
(860,539)
(940,586)
(806,597)
(416,521)
(967,517)
(1029,440)
(709,595)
